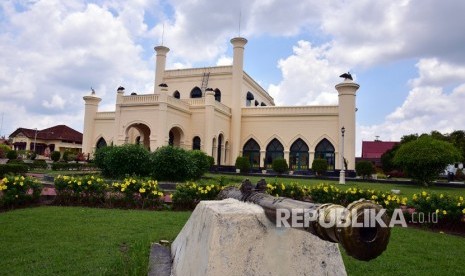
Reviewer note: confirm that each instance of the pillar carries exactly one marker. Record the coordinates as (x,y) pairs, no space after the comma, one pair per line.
(90,112)
(162,131)
(160,64)
(236,106)
(347,90)
(209,122)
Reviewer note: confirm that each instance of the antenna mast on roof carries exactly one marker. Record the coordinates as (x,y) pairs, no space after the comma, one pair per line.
(240,18)
(162,34)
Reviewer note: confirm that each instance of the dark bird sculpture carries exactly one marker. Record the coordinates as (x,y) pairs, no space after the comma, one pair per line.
(93,91)
(346,76)
(163,85)
(120,88)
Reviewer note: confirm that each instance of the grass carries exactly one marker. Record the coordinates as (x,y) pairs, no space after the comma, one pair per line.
(80,241)
(405,189)
(414,252)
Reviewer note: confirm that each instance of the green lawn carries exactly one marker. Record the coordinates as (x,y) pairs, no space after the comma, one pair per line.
(80,241)
(405,189)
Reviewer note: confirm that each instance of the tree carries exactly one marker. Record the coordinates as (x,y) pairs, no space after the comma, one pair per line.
(387,159)
(55,156)
(424,158)
(364,168)
(172,164)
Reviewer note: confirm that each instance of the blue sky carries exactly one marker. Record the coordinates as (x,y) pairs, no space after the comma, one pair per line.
(407,56)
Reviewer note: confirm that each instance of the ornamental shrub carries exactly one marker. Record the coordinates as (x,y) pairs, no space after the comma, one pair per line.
(243,164)
(364,168)
(279,165)
(320,166)
(188,195)
(200,164)
(126,160)
(12,155)
(55,156)
(172,164)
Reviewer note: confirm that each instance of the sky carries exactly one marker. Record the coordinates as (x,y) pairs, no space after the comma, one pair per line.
(407,56)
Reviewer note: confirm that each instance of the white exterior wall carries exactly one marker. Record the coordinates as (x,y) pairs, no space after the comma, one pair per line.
(206,118)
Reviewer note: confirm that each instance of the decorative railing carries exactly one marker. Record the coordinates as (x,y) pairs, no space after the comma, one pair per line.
(290,110)
(178,103)
(195,102)
(222,107)
(197,71)
(140,99)
(105,115)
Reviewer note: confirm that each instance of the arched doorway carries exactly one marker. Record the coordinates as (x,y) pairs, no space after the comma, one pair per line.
(138,133)
(217,95)
(220,145)
(175,137)
(274,150)
(101,143)
(325,150)
(196,92)
(251,150)
(298,156)
(196,143)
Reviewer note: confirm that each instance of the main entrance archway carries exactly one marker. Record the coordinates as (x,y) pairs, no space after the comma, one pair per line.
(138,133)
(176,137)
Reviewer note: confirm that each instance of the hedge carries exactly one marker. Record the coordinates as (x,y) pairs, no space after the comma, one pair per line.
(13,169)
(74,167)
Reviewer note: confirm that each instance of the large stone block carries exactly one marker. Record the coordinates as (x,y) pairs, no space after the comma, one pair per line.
(230,237)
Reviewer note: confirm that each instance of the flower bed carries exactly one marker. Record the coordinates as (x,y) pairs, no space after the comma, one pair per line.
(18,190)
(94,191)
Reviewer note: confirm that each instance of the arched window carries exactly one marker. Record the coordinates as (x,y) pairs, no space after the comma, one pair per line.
(196,93)
(176,94)
(325,150)
(274,150)
(219,150)
(251,150)
(217,95)
(257,103)
(196,143)
(263,104)
(298,156)
(249,98)
(101,143)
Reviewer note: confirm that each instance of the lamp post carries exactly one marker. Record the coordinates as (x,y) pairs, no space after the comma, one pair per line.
(342,174)
(35,140)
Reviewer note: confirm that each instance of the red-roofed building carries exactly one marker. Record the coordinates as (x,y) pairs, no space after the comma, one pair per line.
(56,138)
(373,150)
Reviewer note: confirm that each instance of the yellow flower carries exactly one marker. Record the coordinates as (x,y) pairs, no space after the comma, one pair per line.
(458,204)
(79,183)
(463,211)
(89,182)
(374,197)
(423,193)
(461,198)
(427,198)
(389,197)
(437,211)
(325,189)
(414,197)
(160,193)
(21,183)
(444,212)
(283,187)
(386,202)
(441,196)
(141,190)
(123,189)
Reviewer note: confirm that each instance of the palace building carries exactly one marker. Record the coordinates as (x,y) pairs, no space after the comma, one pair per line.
(225,113)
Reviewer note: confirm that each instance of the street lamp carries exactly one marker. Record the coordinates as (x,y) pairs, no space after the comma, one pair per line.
(342,174)
(35,140)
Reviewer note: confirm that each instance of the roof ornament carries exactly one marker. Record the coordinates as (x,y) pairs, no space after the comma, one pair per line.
(346,76)
(93,91)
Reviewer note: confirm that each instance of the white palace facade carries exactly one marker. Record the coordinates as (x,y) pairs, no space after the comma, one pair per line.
(225,113)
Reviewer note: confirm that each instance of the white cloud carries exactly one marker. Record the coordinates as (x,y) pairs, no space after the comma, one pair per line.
(224,61)
(56,102)
(434,72)
(308,77)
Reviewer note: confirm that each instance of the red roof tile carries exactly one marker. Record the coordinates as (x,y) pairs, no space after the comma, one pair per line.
(59,132)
